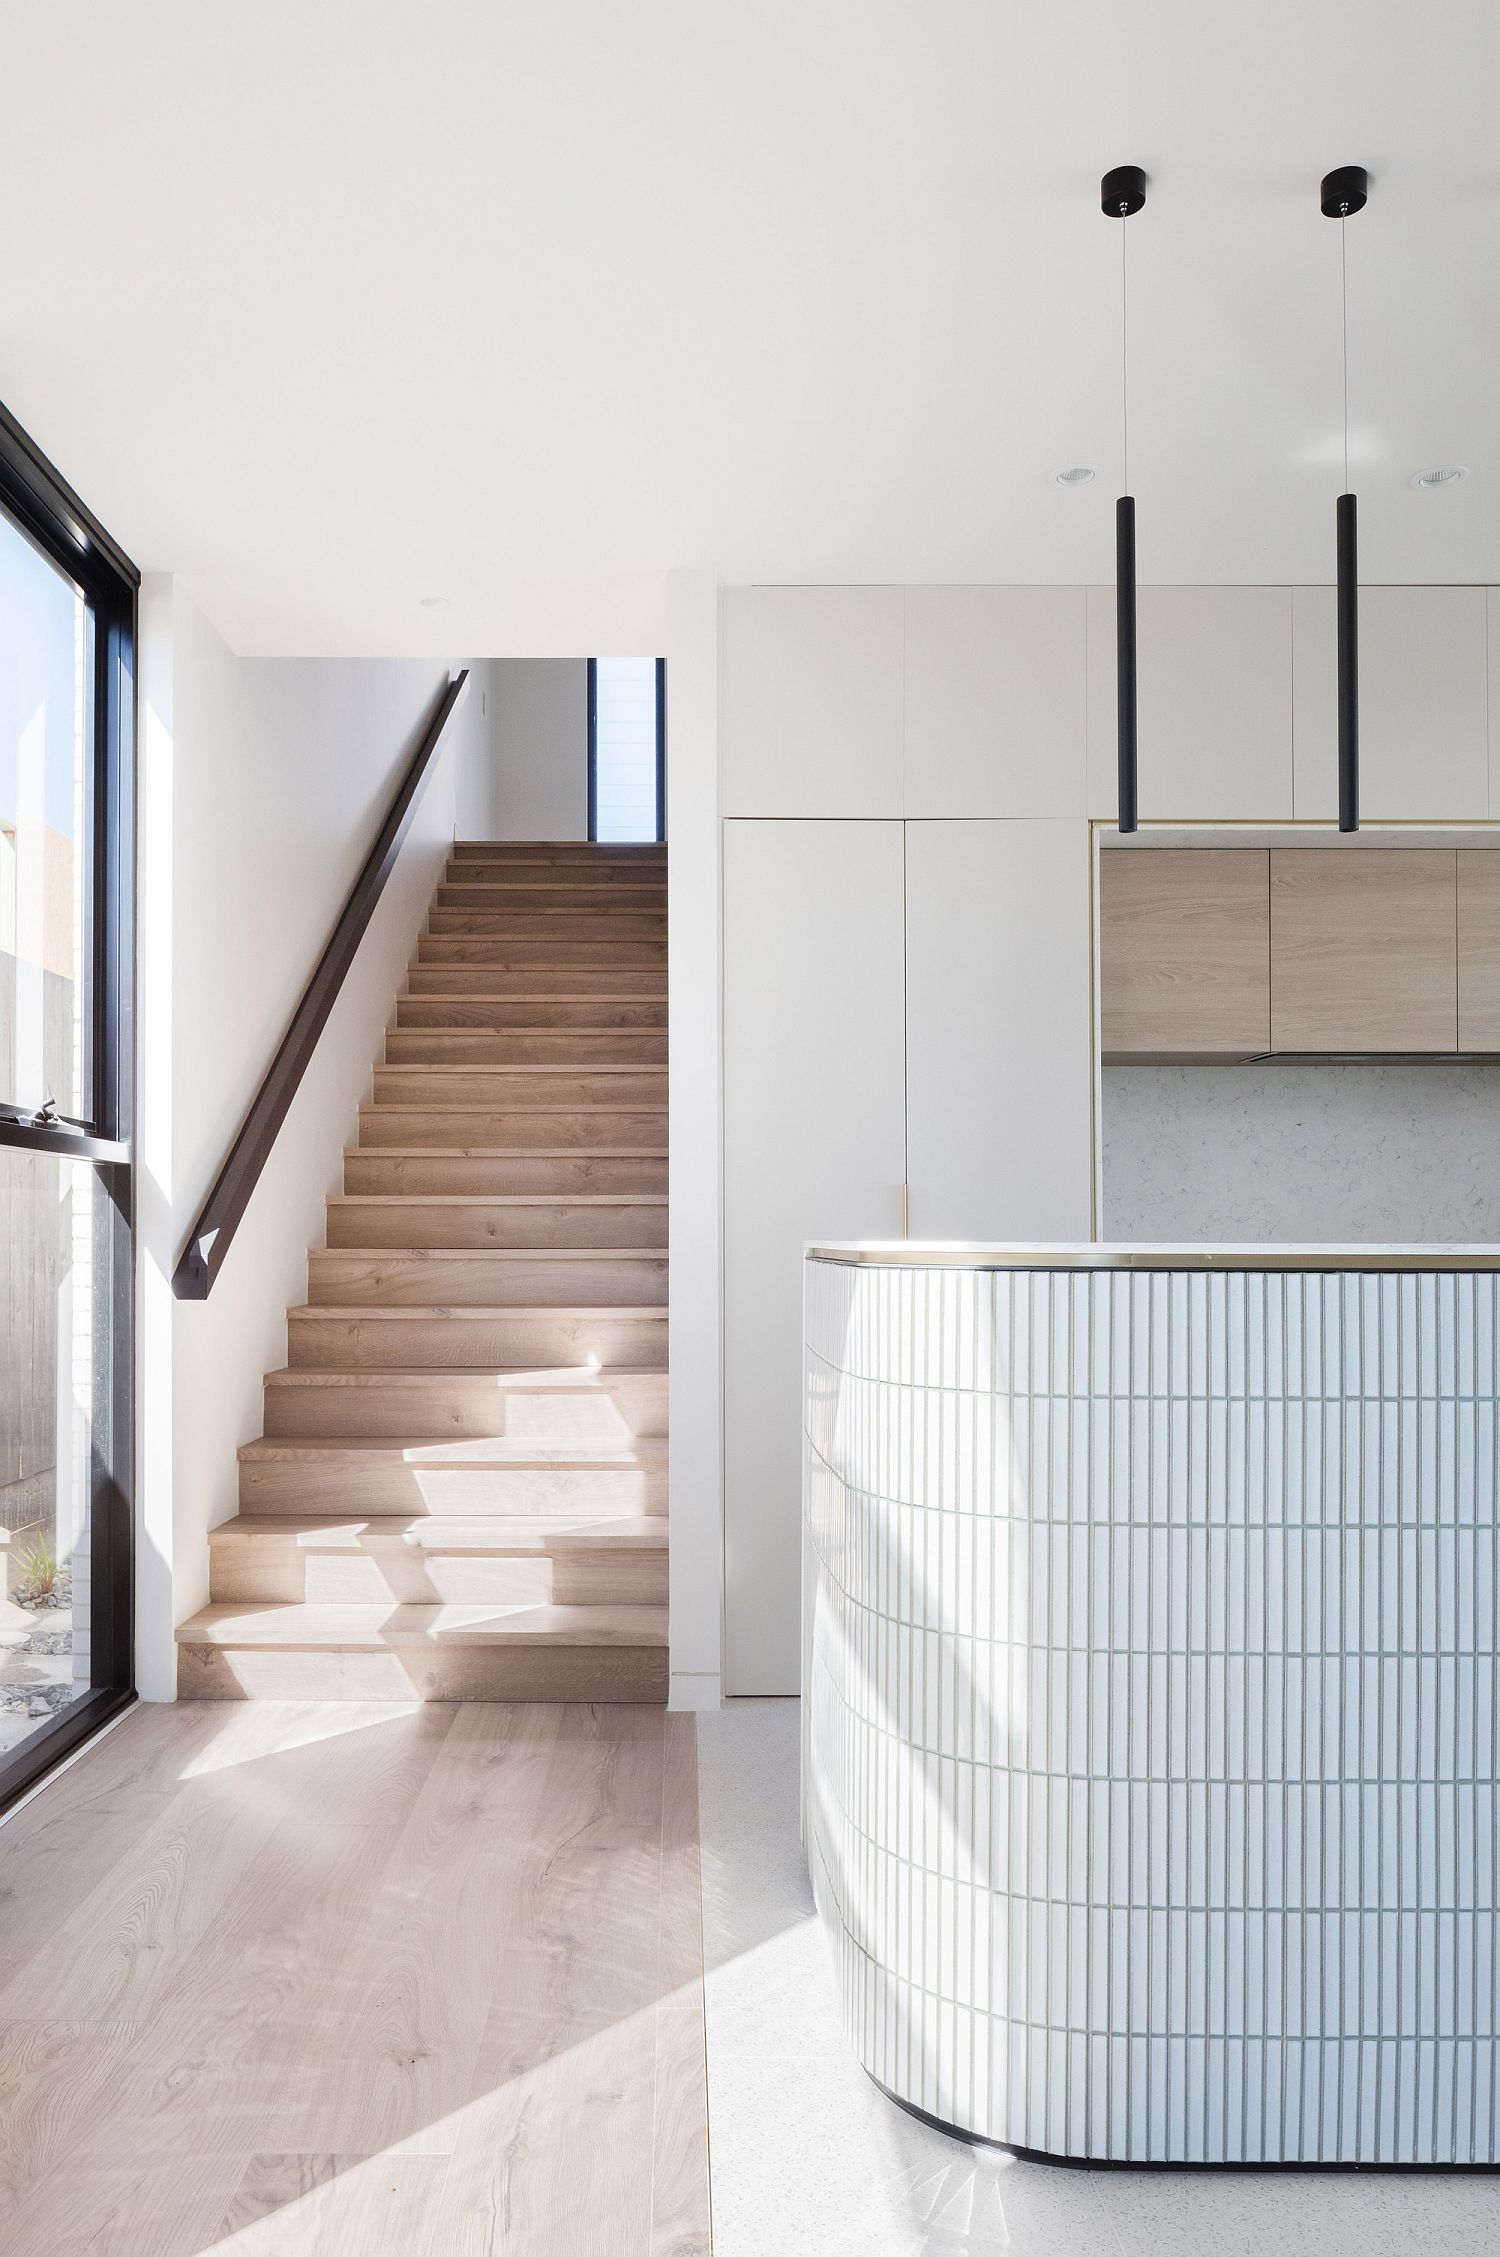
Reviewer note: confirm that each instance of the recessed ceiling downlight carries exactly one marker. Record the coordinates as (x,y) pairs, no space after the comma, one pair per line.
(1080,474)
(433,603)
(1446,474)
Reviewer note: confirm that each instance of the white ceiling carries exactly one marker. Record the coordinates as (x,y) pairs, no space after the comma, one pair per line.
(329,307)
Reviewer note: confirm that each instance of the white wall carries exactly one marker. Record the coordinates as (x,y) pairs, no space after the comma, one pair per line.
(1372,1153)
(263,782)
(540,725)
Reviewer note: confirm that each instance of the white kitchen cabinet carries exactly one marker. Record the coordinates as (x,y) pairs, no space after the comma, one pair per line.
(996,710)
(928,1023)
(811,702)
(813,1146)
(999,1030)
(1214,704)
(1424,752)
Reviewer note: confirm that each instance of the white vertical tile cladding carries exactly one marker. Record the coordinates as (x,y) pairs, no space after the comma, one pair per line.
(1151,1780)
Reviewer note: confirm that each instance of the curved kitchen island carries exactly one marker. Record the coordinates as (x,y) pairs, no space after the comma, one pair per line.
(1151,1599)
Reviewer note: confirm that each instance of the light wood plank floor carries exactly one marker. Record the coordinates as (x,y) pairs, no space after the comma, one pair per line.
(302,1980)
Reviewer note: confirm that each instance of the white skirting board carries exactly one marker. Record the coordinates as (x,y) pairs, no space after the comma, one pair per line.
(1151,1762)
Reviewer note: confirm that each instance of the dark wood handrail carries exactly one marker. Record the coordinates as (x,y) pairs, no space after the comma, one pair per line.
(213,1233)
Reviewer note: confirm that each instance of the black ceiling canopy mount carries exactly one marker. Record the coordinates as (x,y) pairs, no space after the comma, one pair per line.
(1122,191)
(1345,191)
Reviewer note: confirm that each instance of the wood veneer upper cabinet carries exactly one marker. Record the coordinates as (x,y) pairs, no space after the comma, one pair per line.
(1364,951)
(1478,950)
(1184,952)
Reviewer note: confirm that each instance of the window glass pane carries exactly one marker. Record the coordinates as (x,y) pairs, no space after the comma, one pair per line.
(45,770)
(625,749)
(47,1391)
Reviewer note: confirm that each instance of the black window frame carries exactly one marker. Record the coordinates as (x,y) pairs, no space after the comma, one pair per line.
(41,503)
(658,837)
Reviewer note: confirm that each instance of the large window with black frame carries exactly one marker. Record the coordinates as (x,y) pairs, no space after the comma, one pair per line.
(67,669)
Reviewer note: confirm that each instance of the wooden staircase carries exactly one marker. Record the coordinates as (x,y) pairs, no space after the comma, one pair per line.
(461,1491)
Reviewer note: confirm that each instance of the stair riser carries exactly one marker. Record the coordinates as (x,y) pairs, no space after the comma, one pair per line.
(579,956)
(530,984)
(615,920)
(451,1673)
(391,1228)
(613,1411)
(485,1280)
(498,1089)
(594,908)
(438,1343)
(496,1013)
(483,885)
(525,1172)
(454,1046)
(295,1575)
(574,876)
(290,1485)
(388,1127)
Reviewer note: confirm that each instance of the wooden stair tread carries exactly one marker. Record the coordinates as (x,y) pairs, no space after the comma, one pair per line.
(501,1152)
(441,1449)
(513,1111)
(553,1312)
(490,1030)
(644,898)
(510,994)
(296,1624)
(521,1534)
(407,1255)
(562,1066)
(521,896)
(500,1199)
(569,1379)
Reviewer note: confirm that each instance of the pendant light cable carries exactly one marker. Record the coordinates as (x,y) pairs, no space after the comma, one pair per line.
(1125,372)
(1344,293)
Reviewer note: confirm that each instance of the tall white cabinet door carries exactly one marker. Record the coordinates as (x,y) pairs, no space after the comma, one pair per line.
(999,1030)
(813,1148)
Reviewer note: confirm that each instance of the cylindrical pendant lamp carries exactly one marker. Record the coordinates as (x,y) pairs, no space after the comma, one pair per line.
(1344,192)
(1122,193)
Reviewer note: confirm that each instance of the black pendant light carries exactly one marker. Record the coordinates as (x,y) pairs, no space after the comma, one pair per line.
(1343,193)
(1122,193)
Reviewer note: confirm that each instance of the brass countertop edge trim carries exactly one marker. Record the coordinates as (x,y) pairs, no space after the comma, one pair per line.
(1431,1261)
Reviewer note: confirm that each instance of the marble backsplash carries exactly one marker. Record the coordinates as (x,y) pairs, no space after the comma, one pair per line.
(1284,1152)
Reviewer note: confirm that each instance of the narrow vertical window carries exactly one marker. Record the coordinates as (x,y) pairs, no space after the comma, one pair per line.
(67,611)
(627,750)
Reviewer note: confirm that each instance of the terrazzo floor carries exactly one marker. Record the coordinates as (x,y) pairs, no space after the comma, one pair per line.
(809,2160)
